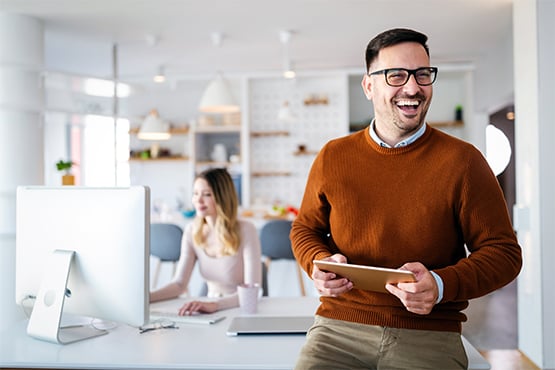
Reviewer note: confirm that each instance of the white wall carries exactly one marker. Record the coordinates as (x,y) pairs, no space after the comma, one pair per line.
(21,135)
(534,34)
(494,77)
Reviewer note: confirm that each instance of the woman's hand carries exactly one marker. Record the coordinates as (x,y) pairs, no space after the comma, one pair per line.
(328,283)
(197,306)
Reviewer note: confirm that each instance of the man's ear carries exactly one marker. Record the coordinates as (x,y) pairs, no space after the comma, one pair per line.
(367,86)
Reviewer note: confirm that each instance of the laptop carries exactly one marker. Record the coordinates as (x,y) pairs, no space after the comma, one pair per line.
(257,325)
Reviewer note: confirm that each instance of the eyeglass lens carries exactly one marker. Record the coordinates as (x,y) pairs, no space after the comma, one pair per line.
(400,76)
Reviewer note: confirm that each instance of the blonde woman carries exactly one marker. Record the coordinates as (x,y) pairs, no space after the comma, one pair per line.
(227,249)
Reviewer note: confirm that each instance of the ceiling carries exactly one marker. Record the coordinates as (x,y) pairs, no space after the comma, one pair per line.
(326,34)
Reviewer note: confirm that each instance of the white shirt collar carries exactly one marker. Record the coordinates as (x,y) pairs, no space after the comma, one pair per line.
(402,143)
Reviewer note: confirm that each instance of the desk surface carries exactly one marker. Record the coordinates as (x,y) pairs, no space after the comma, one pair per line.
(192,346)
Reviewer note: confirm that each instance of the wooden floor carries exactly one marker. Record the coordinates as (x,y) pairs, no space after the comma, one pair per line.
(492,328)
(508,359)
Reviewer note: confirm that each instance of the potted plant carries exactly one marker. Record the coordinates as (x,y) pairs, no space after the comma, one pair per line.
(458,112)
(67,178)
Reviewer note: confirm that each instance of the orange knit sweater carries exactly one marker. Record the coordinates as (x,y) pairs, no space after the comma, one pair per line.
(420,203)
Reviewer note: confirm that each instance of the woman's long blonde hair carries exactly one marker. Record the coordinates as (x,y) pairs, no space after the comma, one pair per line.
(227,223)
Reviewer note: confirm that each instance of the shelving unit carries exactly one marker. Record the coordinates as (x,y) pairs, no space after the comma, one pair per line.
(176,142)
(203,139)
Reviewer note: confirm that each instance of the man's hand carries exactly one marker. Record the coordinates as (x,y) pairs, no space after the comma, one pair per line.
(419,297)
(328,283)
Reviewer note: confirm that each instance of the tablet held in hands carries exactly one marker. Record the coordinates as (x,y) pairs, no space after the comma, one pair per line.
(367,277)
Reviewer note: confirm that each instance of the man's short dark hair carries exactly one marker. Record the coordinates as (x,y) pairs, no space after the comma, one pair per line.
(393,37)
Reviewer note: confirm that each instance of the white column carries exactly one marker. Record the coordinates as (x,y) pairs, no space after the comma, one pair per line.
(21,136)
(534,40)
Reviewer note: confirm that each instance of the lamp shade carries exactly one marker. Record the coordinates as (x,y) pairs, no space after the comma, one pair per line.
(154,128)
(217,98)
(285,114)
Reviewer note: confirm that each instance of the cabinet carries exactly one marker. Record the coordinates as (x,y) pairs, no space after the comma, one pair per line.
(218,146)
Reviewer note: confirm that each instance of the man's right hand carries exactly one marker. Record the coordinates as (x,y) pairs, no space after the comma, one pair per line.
(328,283)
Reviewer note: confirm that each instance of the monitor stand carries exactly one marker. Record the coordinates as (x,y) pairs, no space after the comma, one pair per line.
(46,316)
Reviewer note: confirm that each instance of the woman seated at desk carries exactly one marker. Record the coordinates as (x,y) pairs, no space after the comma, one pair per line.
(226,248)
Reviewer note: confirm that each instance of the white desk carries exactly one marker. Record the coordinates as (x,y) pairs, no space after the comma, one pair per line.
(192,346)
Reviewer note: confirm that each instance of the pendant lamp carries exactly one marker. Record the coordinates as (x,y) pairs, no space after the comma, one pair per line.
(154,128)
(217,97)
(285,114)
(160,77)
(288,71)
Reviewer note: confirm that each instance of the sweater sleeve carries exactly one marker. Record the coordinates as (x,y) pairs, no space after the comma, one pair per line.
(310,230)
(494,257)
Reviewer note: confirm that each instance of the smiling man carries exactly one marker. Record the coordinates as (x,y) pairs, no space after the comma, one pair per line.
(401,194)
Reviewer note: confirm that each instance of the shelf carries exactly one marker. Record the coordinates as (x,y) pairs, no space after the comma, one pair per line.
(173,158)
(269,174)
(446,123)
(213,164)
(217,129)
(269,133)
(173,131)
(305,152)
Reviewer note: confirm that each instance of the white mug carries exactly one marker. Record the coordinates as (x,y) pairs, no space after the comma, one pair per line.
(248,297)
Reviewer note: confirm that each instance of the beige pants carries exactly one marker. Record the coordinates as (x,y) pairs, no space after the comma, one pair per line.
(337,345)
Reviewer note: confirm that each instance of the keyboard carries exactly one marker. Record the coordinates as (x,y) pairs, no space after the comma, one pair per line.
(206,319)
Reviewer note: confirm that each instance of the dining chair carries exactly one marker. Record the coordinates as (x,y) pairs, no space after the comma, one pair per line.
(276,245)
(165,245)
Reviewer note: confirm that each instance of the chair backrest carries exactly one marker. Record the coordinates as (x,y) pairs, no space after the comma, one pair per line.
(165,241)
(274,239)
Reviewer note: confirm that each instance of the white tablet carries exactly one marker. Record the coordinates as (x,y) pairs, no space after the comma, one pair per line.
(367,277)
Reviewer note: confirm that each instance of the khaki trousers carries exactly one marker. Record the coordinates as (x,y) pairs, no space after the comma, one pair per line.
(335,344)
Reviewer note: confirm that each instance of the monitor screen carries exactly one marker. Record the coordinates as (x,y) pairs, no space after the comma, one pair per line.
(91,244)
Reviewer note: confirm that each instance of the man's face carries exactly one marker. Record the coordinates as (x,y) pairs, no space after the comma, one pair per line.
(399,110)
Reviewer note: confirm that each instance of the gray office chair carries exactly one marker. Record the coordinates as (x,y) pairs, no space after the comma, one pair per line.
(275,243)
(165,244)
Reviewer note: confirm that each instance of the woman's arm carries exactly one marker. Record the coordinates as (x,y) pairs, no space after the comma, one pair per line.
(185,265)
(252,263)
(252,254)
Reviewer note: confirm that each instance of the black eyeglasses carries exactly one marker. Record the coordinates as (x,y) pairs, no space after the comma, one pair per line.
(396,77)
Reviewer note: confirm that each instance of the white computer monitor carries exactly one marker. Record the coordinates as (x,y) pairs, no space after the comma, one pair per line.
(82,251)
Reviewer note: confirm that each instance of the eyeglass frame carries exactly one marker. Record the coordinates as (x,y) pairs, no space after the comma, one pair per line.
(157,325)
(411,72)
